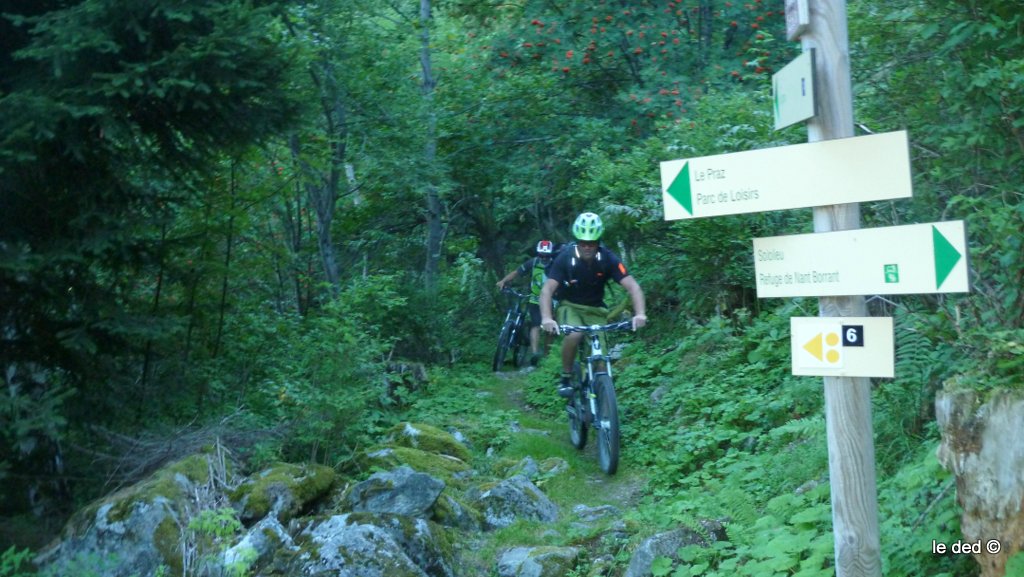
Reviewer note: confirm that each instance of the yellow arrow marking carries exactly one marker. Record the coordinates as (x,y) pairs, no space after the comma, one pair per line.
(814,346)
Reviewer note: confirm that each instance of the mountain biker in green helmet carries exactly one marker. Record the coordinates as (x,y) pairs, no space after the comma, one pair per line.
(534,267)
(579,274)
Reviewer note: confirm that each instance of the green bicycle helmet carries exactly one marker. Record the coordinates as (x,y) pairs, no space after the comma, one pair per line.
(587,227)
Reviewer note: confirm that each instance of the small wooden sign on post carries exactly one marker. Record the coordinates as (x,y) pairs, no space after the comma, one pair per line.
(793,91)
(842,346)
(798,18)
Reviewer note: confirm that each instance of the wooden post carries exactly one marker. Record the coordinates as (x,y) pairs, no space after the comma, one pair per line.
(851,452)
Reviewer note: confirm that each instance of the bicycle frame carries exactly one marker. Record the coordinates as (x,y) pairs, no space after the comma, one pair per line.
(587,379)
(517,312)
(512,332)
(596,355)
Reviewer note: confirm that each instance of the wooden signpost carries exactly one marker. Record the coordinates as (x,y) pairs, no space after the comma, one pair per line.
(848,426)
(839,263)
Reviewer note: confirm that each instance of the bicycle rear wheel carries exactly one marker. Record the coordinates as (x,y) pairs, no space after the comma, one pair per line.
(500,352)
(577,410)
(606,423)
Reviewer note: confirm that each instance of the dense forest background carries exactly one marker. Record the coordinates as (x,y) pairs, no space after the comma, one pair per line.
(235,216)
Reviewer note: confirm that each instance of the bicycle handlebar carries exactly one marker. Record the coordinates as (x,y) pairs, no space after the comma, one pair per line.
(514,292)
(619,326)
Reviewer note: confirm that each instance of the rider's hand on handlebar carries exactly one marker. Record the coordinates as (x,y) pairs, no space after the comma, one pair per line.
(549,326)
(639,321)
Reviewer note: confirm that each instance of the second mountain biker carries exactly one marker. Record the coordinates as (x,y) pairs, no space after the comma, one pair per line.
(534,267)
(579,275)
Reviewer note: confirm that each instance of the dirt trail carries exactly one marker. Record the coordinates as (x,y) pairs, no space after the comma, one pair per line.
(624,489)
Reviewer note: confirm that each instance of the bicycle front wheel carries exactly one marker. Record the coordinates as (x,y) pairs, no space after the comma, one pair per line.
(502,350)
(607,424)
(521,343)
(577,410)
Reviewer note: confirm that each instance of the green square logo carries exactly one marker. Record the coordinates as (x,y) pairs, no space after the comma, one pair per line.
(892,273)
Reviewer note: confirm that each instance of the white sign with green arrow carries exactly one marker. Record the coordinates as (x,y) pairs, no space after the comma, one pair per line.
(910,259)
(858,169)
(793,91)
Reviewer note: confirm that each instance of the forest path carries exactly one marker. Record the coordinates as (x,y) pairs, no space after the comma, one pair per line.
(622,490)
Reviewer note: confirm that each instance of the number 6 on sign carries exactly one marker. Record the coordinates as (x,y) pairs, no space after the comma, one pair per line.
(853,335)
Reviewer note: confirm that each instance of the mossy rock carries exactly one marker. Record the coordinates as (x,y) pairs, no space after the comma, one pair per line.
(451,510)
(428,438)
(170,482)
(366,544)
(142,520)
(284,489)
(442,466)
(425,542)
(539,561)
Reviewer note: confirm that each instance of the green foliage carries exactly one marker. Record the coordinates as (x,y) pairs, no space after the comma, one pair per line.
(15,562)
(215,523)
(211,533)
(465,401)
(1015,565)
(173,267)
(110,117)
(917,504)
(325,377)
(733,436)
(949,76)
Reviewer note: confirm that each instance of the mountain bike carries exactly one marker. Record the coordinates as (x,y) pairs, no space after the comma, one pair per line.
(593,401)
(515,334)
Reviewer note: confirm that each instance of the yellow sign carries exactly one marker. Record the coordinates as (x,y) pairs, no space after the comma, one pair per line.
(842,346)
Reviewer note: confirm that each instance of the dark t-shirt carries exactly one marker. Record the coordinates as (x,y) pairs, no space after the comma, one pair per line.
(583,283)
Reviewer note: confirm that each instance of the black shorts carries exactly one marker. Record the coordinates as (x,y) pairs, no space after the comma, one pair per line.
(534,311)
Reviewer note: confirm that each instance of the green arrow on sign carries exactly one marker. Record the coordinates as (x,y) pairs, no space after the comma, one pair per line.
(775,93)
(946,256)
(680,189)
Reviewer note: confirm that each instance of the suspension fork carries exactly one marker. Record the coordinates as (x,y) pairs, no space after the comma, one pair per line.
(595,353)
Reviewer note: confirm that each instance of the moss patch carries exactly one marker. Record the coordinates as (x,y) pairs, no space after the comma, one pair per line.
(289,486)
(171,483)
(167,540)
(428,438)
(440,466)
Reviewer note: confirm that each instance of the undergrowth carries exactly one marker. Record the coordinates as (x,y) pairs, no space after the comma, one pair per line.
(726,435)
(723,435)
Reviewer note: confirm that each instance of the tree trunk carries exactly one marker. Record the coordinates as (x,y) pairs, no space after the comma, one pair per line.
(435,230)
(980,445)
(229,242)
(322,186)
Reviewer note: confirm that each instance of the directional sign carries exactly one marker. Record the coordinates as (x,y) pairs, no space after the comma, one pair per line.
(798,18)
(842,346)
(911,259)
(793,91)
(840,171)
